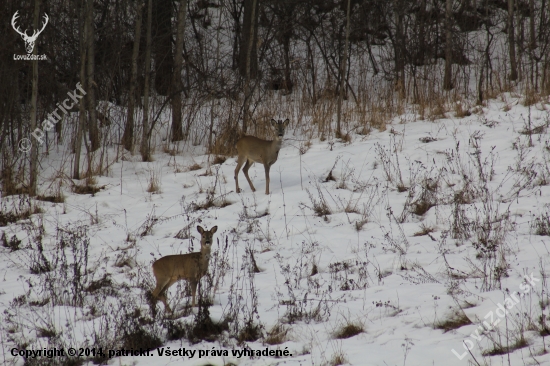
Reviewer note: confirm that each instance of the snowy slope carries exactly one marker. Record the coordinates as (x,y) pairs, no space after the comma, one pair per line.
(373,271)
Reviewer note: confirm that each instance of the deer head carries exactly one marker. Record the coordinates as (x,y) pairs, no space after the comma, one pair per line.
(29,40)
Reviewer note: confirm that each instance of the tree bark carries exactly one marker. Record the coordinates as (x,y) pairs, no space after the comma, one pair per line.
(343,65)
(81,106)
(34,112)
(91,99)
(248,56)
(532,33)
(145,134)
(447,80)
(250,59)
(235,9)
(164,59)
(285,12)
(128,136)
(512,42)
(399,49)
(177,127)
(421,52)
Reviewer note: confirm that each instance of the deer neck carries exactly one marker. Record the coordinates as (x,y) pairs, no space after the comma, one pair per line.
(205,256)
(276,144)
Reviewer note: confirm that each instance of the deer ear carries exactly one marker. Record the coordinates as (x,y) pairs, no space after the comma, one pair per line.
(214,229)
(200,229)
(286,122)
(273,122)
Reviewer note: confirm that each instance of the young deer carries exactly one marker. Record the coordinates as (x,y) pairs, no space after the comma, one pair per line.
(190,267)
(254,150)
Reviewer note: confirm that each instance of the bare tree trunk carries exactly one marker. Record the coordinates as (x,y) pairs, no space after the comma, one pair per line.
(286,47)
(343,65)
(235,10)
(532,33)
(164,58)
(447,80)
(312,70)
(399,49)
(81,106)
(91,102)
(128,136)
(532,43)
(421,52)
(248,64)
(285,12)
(145,134)
(34,112)
(177,128)
(512,42)
(249,36)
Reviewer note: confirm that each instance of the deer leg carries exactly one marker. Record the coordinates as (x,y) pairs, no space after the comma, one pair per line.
(193,292)
(161,285)
(160,292)
(240,162)
(245,170)
(164,300)
(267,167)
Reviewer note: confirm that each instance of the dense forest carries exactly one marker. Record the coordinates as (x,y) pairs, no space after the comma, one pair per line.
(162,75)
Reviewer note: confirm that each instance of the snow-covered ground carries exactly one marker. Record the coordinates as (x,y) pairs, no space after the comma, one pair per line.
(382,263)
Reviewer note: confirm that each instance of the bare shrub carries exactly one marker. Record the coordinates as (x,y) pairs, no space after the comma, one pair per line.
(541,224)
(319,206)
(225,140)
(389,158)
(211,199)
(311,303)
(21,209)
(242,314)
(12,244)
(349,275)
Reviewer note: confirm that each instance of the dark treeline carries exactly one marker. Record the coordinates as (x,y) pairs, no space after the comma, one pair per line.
(150,57)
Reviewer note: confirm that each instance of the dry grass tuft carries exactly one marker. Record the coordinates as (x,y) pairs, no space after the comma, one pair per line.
(338,358)
(349,330)
(194,167)
(154,182)
(224,143)
(170,150)
(461,110)
(277,335)
(424,230)
(456,320)
(531,97)
(437,110)
(500,349)
(87,189)
(219,160)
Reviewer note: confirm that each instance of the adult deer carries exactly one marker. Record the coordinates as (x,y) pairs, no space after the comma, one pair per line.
(190,267)
(29,40)
(254,150)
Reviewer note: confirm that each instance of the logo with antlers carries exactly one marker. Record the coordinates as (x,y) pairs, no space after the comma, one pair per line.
(29,40)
